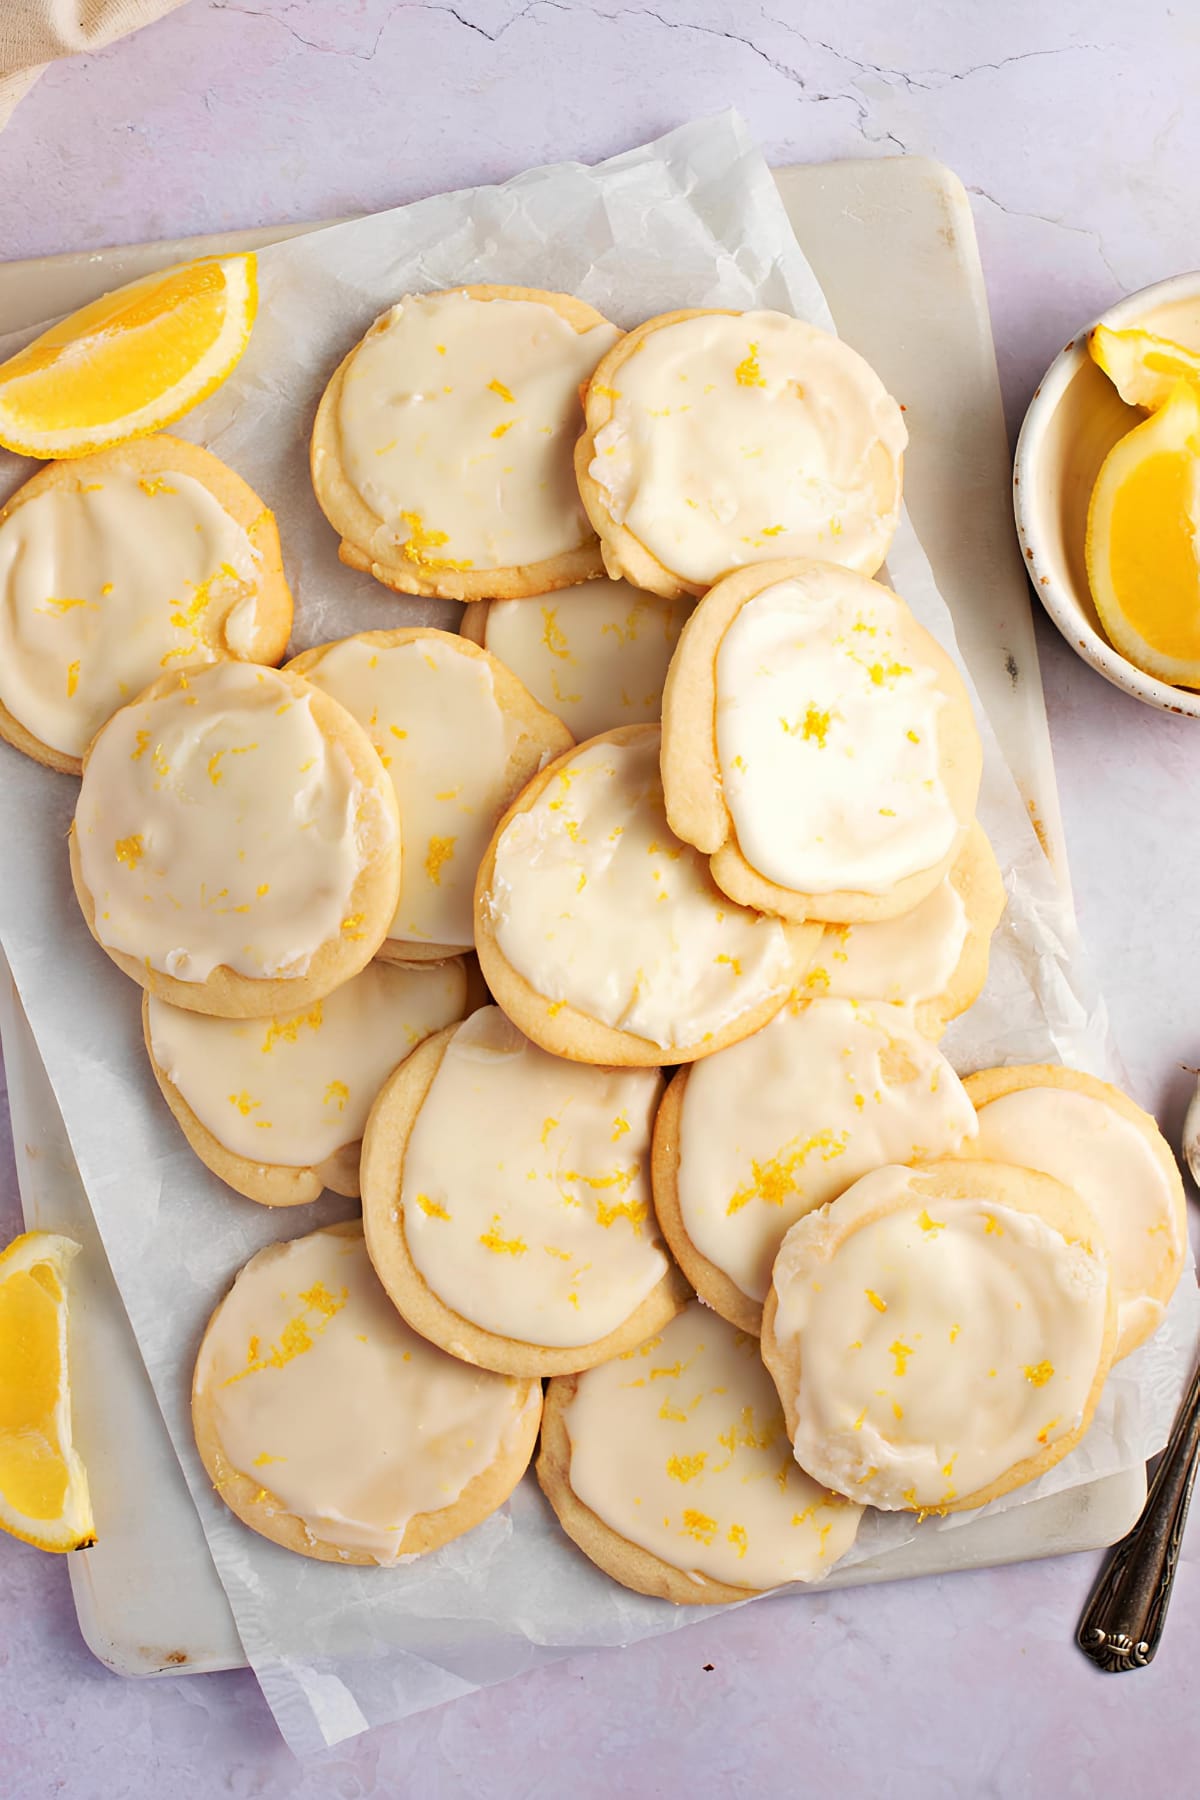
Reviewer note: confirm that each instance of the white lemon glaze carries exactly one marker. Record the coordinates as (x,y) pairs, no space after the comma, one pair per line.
(680,1447)
(293,1090)
(597,903)
(902,960)
(432,714)
(939,1345)
(217,825)
(595,654)
(526,1190)
(736,438)
(790,1117)
(457,420)
(104,587)
(827,738)
(1094,1149)
(320,1390)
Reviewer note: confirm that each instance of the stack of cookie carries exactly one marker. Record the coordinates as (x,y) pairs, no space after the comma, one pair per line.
(681,1139)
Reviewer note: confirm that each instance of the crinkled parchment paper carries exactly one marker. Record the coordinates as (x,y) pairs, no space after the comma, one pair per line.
(693,220)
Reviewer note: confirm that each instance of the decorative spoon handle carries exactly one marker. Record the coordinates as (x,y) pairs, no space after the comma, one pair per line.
(1123,1621)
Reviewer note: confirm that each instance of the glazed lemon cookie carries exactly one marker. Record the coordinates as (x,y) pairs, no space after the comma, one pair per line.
(442,446)
(528,1243)
(117,566)
(670,1468)
(1091,1136)
(717,439)
(235,847)
(329,1427)
(818,744)
(749,1140)
(460,737)
(934,958)
(277,1107)
(939,1336)
(596,654)
(603,937)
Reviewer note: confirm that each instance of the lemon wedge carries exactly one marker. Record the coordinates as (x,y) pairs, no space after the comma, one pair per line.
(1143,557)
(131,361)
(1142,367)
(43,1484)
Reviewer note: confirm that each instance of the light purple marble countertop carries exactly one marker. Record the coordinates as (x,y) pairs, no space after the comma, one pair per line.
(1075,130)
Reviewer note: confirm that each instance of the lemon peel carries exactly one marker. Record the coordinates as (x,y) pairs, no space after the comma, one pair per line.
(1143,541)
(131,361)
(1142,366)
(43,1484)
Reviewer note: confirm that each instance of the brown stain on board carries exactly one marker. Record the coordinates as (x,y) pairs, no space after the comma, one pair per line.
(163,1659)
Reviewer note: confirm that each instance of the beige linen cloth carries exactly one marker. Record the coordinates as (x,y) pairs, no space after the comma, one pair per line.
(36,32)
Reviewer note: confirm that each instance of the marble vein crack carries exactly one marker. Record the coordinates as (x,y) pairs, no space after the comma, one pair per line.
(927,79)
(1014,212)
(251,12)
(492,37)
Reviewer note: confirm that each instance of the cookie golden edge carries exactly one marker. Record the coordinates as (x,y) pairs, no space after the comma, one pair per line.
(976,878)
(385,1144)
(162,454)
(713,1285)
(624,554)
(1001,1184)
(225,993)
(563,1029)
(696,807)
(626,1562)
(267,1183)
(265,1514)
(542,734)
(356,524)
(473,625)
(992,1084)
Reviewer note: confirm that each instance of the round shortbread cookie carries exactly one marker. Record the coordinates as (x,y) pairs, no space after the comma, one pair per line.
(941,1335)
(718,439)
(442,447)
(527,1243)
(748,1141)
(116,566)
(1094,1139)
(818,744)
(460,737)
(934,958)
(329,1427)
(670,1468)
(604,938)
(277,1107)
(596,655)
(235,846)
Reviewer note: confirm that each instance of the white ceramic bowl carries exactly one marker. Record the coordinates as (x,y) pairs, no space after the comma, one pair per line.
(1074,419)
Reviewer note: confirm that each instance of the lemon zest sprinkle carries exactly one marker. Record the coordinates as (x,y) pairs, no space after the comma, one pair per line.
(686,1468)
(501,1246)
(441,849)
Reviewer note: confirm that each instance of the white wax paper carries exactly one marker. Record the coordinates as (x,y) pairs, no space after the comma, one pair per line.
(693,220)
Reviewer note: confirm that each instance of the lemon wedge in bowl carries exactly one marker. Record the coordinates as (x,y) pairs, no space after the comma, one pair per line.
(1143,541)
(131,362)
(43,1484)
(1143,368)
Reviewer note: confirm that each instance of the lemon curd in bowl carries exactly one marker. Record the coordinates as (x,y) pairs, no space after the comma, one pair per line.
(1075,420)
